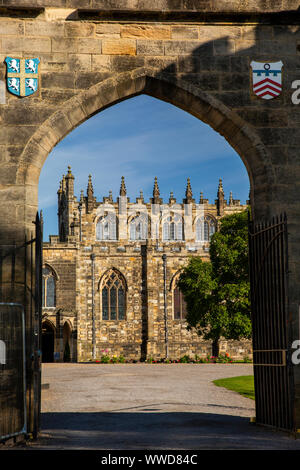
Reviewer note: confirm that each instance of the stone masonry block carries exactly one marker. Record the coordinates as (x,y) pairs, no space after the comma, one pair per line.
(15,135)
(81,30)
(64,45)
(193,48)
(108,30)
(11,27)
(57,80)
(145,31)
(80,62)
(85,80)
(126,62)
(101,62)
(55,61)
(119,46)
(155,48)
(184,32)
(89,46)
(43,28)
(28,45)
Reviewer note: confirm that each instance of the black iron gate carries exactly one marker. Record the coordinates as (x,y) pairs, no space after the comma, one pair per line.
(271,326)
(21,283)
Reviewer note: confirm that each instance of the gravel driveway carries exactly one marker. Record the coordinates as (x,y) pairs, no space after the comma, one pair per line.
(149,406)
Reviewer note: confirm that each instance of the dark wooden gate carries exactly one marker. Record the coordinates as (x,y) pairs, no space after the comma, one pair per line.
(21,283)
(268,259)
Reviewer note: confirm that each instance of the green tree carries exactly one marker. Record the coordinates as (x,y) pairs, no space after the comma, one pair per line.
(217,292)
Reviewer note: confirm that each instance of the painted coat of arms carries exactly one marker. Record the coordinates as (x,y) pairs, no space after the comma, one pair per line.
(267,79)
(22,76)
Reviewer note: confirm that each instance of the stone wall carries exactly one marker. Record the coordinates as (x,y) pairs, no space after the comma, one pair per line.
(128,337)
(195,55)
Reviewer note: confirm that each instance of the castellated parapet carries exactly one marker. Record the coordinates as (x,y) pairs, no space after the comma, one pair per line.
(109,292)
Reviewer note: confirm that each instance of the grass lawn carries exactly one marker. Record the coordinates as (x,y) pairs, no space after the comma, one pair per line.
(243,385)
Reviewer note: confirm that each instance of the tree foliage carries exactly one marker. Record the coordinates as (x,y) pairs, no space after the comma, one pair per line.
(217,292)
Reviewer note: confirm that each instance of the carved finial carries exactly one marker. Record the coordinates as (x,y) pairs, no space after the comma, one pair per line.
(59,191)
(171,198)
(201,198)
(90,189)
(220,188)
(69,174)
(156,192)
(188,191)
(123,187)
(110,198)
(230,199)
(81,196)
(63,184)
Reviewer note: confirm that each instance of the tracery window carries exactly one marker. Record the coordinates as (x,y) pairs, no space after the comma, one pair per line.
(179,304)
(106,228)
(205,228)
(113,296)
(138,227)
(49,288)
(172,228)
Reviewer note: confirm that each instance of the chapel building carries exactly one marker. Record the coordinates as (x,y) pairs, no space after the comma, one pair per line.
(110,276)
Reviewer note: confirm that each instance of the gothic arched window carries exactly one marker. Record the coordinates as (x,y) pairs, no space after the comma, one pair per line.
(49,287)
(172,228)
(179,304)
(138,227)
(113,296)
(106,228)
(205,228)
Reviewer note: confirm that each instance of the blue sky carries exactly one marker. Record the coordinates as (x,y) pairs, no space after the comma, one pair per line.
(139,139)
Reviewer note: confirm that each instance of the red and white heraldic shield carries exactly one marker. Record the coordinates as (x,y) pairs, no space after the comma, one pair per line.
(267,79)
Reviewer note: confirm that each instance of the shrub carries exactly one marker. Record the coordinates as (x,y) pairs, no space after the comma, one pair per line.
(105,359)
(223,358)
(185,359)
(247,359)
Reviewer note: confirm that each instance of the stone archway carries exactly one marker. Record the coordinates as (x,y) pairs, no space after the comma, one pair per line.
(67,342)
(240,135)
(48,341)
(194,56)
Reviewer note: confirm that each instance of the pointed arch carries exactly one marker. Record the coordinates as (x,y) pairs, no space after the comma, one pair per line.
(205,226)
(49,281)
(113,295)
(178,302)
(167,87)
(48,340)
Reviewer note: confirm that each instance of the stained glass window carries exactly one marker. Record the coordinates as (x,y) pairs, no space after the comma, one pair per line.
(179,304)
(49,293)
(113,296)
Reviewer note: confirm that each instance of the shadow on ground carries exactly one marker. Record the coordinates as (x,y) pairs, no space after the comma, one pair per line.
(152,430)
